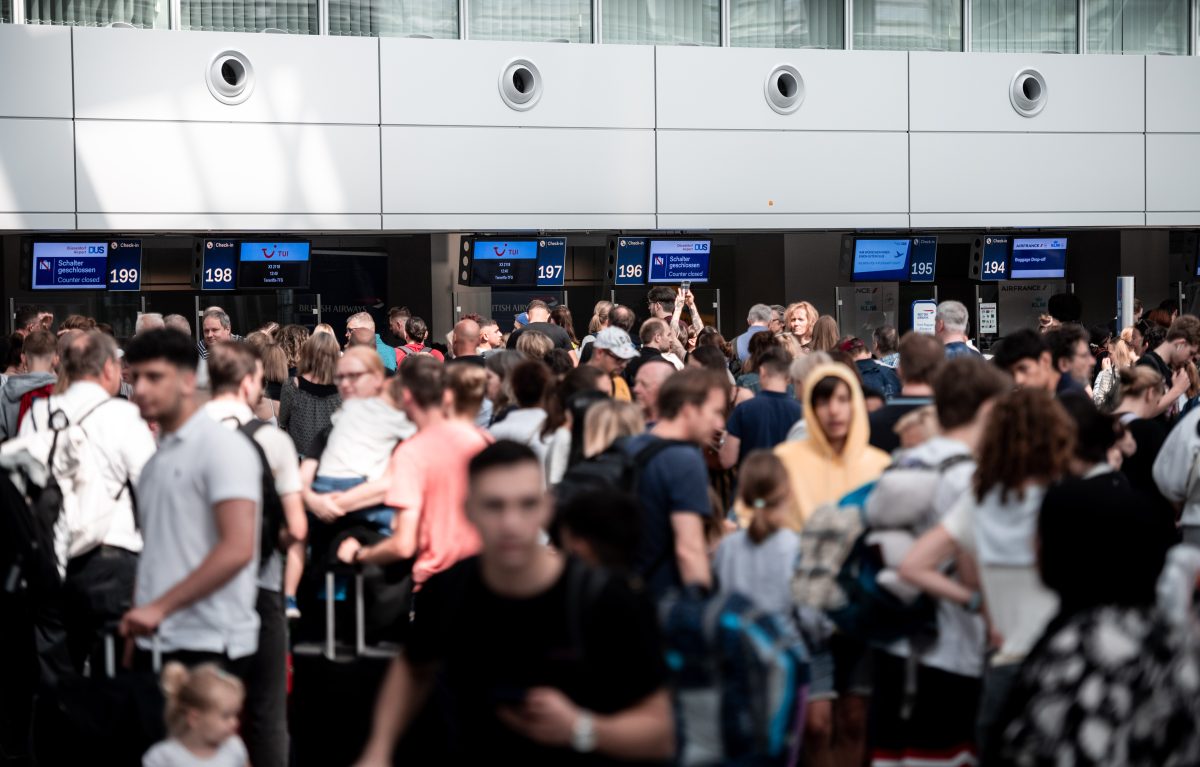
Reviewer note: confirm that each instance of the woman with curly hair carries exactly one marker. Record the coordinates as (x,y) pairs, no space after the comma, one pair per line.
(1027,445)
(800,319)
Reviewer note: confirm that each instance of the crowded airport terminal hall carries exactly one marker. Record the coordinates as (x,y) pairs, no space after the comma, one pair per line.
(539,383)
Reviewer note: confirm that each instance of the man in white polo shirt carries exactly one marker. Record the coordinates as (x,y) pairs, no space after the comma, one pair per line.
(236,373)
(198,499)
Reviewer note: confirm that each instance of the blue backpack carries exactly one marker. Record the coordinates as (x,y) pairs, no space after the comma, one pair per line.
(740,680)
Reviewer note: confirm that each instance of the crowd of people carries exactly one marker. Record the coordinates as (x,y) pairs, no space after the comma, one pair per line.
(987,560)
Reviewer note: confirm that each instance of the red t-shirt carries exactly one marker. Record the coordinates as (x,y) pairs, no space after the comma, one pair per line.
(429,473)
(407,349)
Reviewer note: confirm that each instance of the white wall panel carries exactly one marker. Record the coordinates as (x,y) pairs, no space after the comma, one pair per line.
(228,169)
(446,178)
(161,75)
(970,92)
(35,63)
(37,174)
(450,82)
(1172,193)
(983,179)
(725,88)
(774,179)
(1172,94)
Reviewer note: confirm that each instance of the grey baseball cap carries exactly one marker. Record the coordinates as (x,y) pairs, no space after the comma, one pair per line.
(616,341)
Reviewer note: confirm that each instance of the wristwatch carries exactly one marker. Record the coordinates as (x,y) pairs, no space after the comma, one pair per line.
(583,735)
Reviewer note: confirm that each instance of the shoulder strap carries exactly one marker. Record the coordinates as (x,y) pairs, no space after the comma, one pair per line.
(584,585)
(656,446)
(251,427)
(954,460)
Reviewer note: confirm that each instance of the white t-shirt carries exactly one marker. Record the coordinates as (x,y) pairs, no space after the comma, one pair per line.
(1018,604)
(172,753)
(197,467)
(281,456)
(121,442)
(365,432)
(524,426)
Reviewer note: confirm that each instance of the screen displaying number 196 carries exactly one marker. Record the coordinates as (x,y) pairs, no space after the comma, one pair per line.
(630,271)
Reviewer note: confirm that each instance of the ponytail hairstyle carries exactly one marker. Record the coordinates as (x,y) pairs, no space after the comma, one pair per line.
(1137,380)
(194,690)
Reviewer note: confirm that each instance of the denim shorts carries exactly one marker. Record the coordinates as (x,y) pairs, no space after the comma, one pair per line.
(379,517)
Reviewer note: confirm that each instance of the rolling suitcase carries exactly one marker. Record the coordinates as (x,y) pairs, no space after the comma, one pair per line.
(334,685)
(110,714)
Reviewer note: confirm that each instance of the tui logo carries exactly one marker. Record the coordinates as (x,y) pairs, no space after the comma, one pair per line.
(500,251)
(268,255)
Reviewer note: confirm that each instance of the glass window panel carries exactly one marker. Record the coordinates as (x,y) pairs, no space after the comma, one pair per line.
(1024,26)
(5,11)
(394,18)
(787,23)
(1137,26)
(908,25)
(143,14)
(297,17)
(663,22)
(536,20)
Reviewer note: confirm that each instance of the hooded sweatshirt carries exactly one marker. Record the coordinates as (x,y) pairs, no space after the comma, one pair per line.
(818,474)
(10,399)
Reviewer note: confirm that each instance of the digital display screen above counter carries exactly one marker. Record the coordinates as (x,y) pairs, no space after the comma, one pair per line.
(631,262)
(218,267)
(69,266)
(995,259)
(113,265)
(922,259)
(551,262)
(273,265)
(505,263)
(679,260)
(1038,258)
(881,260)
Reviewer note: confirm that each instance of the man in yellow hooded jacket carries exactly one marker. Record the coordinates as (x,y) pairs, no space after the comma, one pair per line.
(836,457)
(832,460)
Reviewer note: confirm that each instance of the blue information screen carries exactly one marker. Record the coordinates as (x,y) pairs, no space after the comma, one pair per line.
(69,266)
(273,265)
(506,264)
(881,260)
(679,260)
(1040,258)
(125,265)
(995,259)
(551,262)
(631,262)
(922,260)
(219,265)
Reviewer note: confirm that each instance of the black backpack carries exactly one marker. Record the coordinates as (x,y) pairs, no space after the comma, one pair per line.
(272,506)
(615,468)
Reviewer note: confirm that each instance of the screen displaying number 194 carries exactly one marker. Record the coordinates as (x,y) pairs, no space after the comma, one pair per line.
(993,268)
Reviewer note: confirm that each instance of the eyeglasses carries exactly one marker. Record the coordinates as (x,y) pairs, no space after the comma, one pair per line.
(351,377)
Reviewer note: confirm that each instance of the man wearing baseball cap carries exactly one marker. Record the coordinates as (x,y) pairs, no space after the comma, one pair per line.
(612,351)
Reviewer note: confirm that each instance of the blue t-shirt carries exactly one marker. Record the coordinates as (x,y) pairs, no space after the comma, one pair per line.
(742,342)
(763,422)
(959,349)
(674,480)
